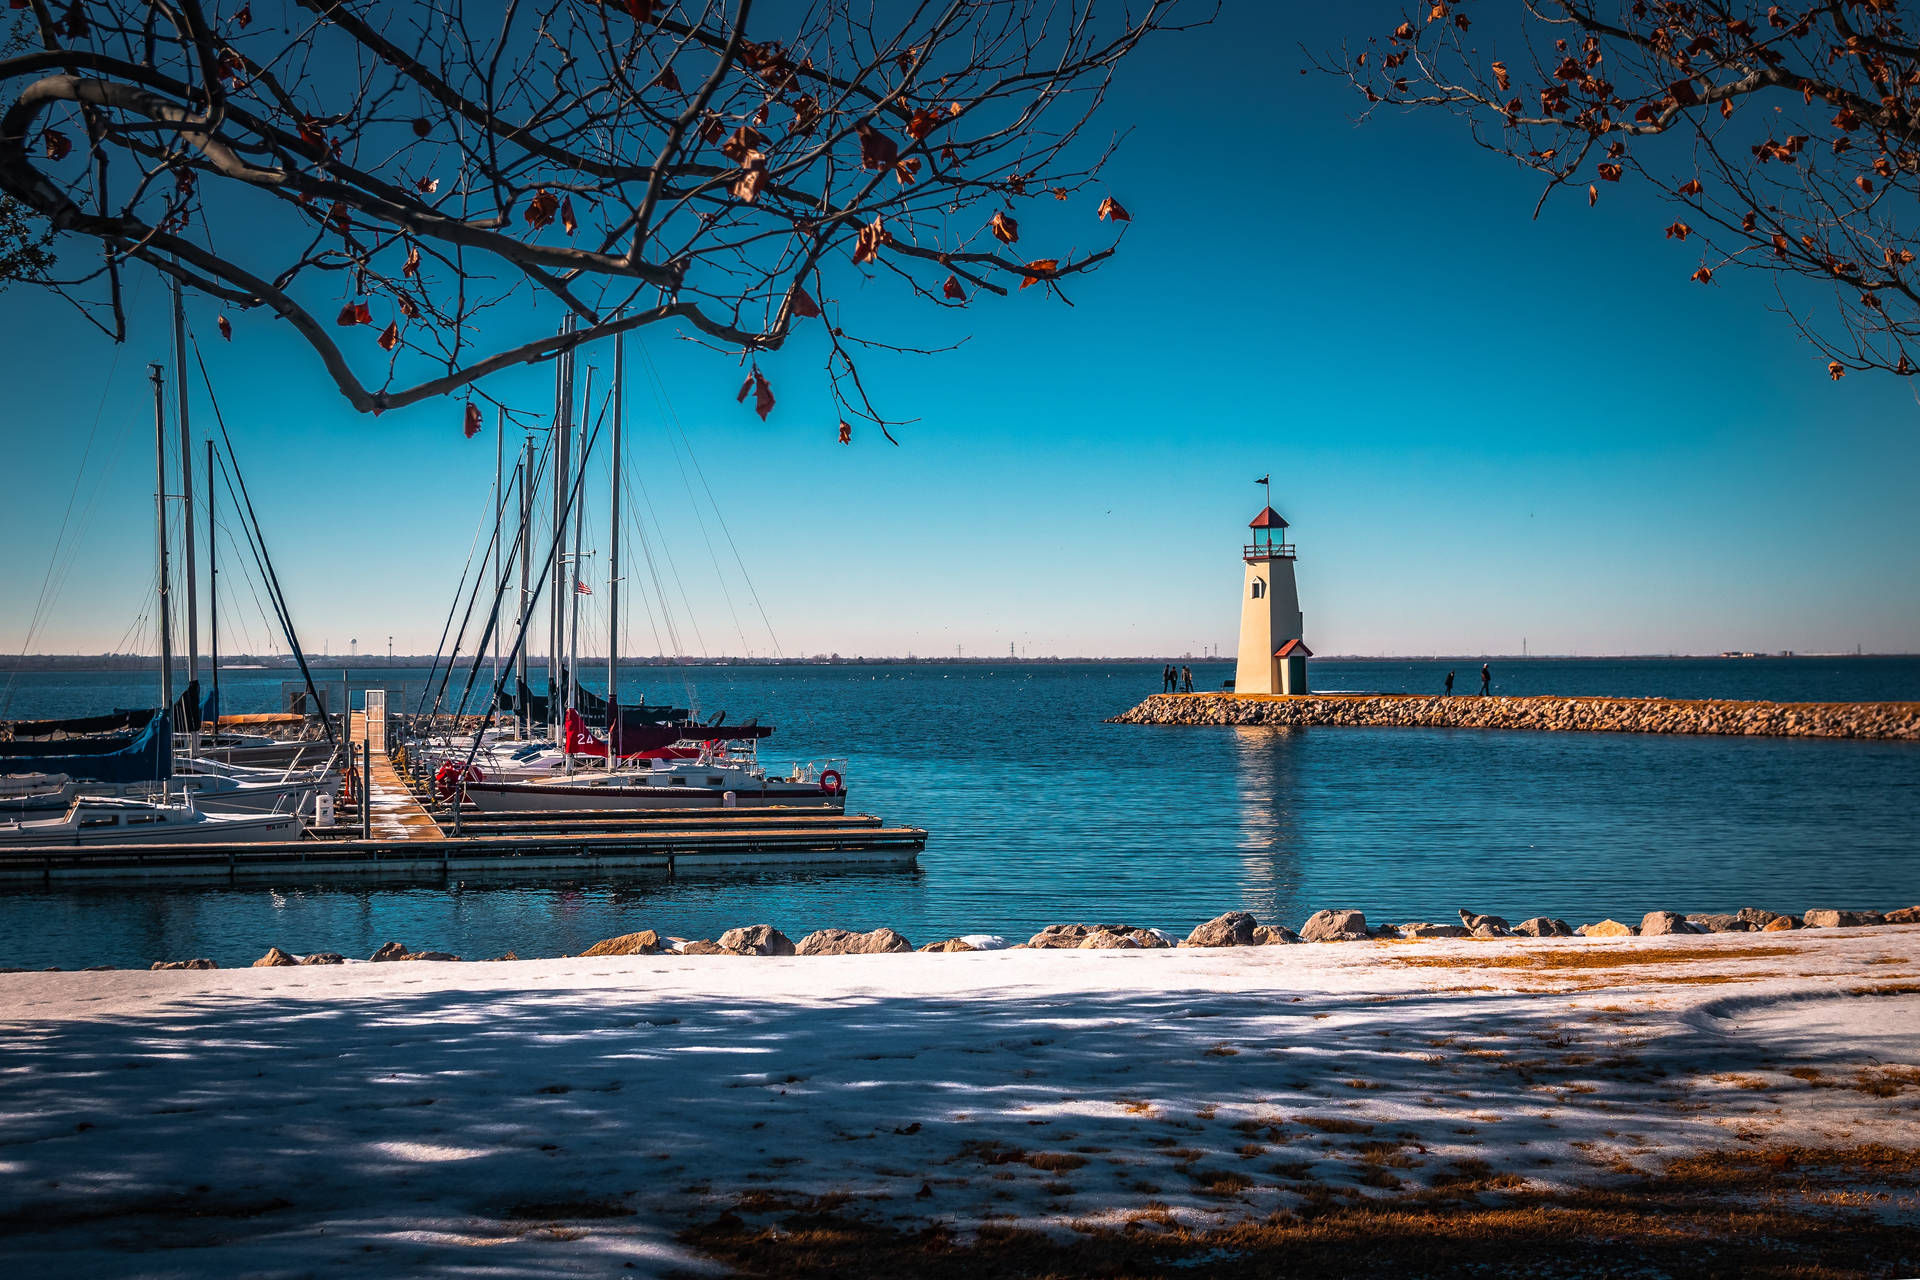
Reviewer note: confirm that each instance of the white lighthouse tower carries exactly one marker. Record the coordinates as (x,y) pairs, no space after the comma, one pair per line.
(1273,654)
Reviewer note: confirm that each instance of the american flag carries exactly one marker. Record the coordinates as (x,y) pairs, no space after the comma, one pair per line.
(581,588)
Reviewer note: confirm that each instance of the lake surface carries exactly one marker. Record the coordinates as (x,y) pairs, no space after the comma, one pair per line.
(1040,813)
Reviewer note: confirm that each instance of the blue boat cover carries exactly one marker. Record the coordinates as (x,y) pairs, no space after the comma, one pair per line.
(148,758)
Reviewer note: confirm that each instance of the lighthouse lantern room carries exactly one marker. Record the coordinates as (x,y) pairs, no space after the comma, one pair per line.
(1273,653)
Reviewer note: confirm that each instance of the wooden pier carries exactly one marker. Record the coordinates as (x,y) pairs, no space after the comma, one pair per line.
(412,841)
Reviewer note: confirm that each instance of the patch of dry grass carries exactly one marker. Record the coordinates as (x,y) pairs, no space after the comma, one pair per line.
(1769,1214)
(1219,1182)
(1594,957)
(1333,1124)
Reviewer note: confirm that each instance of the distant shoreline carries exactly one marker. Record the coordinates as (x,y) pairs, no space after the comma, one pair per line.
(46,662)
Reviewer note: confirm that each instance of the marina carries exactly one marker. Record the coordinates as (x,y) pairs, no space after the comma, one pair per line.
(393,834)
(626,653)
(109,798)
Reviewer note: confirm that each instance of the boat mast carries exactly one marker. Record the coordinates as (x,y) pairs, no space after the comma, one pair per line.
(160,510)
(213,596)
(522,718)
(562,473)
(499,520)
(613,560)
(579,541)
(186,503)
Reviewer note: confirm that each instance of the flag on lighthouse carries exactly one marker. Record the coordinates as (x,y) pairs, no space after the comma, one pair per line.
(1265,478)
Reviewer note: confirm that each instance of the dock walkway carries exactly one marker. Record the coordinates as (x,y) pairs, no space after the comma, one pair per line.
(396,814)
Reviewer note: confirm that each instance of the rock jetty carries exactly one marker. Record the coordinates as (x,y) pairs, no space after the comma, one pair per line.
(1896,720)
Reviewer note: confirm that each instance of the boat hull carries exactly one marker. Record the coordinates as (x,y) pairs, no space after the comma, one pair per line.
(235,829)
(534,797)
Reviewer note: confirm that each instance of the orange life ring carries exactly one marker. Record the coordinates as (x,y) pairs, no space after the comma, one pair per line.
(451,776)
(830,782)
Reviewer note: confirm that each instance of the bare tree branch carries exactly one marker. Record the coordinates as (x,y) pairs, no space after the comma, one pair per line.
(1789,135)
(639,163)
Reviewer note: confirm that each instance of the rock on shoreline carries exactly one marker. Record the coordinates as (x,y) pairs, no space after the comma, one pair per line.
(1887,720)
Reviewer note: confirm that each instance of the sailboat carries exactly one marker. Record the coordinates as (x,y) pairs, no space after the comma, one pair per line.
(661,757)
(107,820)
(78,781)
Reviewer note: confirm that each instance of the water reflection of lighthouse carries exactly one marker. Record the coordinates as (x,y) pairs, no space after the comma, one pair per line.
(1266,761)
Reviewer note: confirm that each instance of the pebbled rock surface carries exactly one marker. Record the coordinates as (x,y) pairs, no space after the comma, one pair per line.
(1827,918)
(1335,926)
(1657,923)
(1474,923)
(1423,929)
(1723,923)
(756,940)
(1234,929)
(1059,937)
(1273,935)
(844,942)
(644,943)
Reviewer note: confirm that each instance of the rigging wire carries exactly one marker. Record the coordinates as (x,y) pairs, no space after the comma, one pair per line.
(522,540)
(240,559)
(700,522)
(458,590)
(54,581)
(666,401)
(520,637)
(467,618)
(641,510)
(268,576)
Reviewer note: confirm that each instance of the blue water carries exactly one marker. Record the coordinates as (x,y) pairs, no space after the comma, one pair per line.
(1041,813)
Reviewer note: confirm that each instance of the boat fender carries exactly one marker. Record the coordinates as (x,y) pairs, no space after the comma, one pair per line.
(447,779)
(830,782)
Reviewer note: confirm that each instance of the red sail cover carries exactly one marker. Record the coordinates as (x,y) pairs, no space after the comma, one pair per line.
(650,740)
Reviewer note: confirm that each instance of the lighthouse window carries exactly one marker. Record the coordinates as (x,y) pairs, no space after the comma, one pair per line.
(1259,588)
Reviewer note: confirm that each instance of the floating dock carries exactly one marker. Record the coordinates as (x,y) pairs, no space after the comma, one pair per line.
(410,841)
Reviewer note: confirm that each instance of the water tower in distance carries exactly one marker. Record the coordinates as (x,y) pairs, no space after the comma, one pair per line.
(1273,654)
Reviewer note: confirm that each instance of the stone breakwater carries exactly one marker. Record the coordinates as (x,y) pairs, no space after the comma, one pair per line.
(1233,929)
(1895,720)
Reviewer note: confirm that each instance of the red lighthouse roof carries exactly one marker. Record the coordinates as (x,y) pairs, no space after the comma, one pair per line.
(1293,648)
(1267,519)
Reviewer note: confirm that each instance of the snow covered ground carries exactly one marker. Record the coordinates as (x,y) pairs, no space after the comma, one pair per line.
(572,1117)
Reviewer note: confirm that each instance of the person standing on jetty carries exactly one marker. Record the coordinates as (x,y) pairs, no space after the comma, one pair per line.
(1166,679)
(1486,678)
(1449,684)
(1186,678)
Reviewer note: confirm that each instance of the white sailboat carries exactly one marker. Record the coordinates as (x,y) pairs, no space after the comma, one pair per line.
(104,820)
(677,765)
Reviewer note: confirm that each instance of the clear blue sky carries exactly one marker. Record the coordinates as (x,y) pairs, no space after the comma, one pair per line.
(1482,428)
